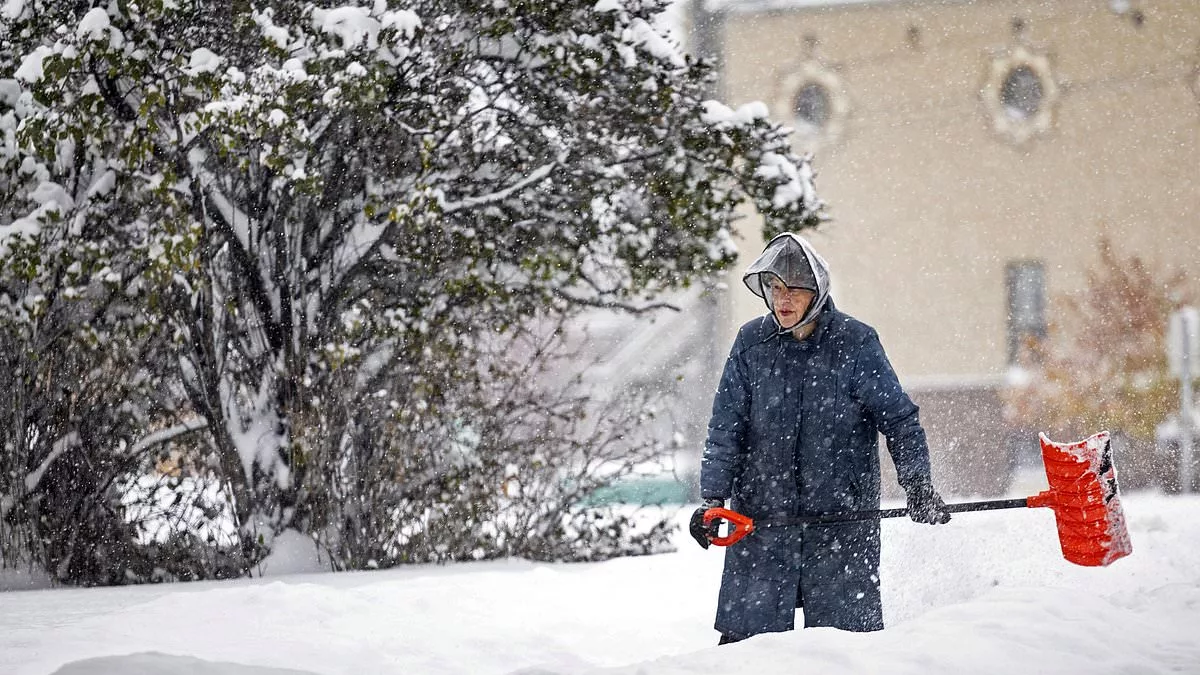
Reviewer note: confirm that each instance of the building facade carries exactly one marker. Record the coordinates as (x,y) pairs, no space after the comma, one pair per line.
(973,154)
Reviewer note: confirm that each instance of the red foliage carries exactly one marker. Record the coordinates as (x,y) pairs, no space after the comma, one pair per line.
(1104,364)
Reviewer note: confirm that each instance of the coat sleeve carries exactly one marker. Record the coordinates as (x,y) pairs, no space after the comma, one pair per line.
(725,446)
(895,415)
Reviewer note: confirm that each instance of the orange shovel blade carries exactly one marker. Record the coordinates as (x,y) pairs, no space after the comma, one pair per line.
(1086,502)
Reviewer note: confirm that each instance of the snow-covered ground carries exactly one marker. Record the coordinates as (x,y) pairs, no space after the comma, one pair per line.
(988,593)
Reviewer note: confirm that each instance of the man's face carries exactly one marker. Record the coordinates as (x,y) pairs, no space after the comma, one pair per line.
(789,304)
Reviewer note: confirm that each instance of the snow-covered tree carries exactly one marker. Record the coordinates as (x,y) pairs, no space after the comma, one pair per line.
(324,206)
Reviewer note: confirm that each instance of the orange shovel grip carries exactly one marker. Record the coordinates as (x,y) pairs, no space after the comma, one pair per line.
(740,525)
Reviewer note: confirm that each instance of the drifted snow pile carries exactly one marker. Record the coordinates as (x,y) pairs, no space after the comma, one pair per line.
(987,593)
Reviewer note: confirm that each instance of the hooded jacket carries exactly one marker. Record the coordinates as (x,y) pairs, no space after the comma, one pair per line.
(794,261)
(794,431)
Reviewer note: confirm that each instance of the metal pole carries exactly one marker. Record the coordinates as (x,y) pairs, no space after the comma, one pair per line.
(1185,414)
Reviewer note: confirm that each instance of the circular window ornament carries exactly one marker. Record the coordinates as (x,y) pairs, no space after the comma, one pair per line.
(1020,95)
(811,96)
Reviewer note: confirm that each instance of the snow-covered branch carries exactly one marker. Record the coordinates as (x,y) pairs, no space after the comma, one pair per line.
(536,176)
(165,435)
(60,446)
(614,304)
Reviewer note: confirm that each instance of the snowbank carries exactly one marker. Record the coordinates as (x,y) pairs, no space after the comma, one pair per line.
(988,593)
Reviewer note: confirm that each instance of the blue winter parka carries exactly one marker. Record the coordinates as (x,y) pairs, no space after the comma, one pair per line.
(794,431)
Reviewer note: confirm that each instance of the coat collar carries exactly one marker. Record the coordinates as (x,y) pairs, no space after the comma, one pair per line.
(822,324)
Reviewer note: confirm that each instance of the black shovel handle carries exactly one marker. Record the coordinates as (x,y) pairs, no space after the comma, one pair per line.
(854,516)
(741,525)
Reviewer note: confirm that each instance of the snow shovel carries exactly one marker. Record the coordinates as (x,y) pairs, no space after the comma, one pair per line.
(1083,494)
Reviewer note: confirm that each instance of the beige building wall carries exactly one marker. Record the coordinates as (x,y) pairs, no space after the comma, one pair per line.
(930,201)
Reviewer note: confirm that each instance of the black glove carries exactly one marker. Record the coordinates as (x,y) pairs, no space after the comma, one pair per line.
(925,506)
(702,533)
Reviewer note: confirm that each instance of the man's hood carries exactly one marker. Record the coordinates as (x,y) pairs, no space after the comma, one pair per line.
(791,258)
